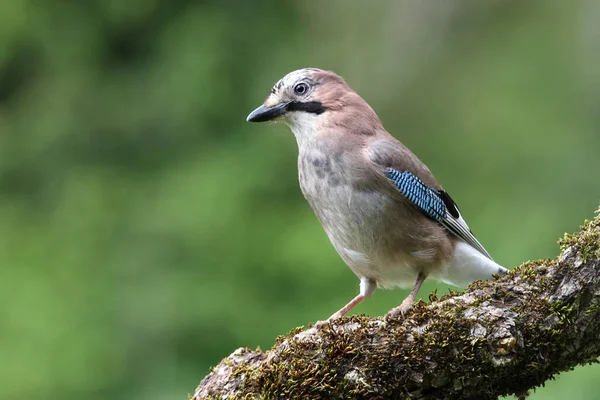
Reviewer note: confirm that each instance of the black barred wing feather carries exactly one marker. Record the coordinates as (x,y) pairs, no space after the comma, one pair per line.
(435,204)
(422,196)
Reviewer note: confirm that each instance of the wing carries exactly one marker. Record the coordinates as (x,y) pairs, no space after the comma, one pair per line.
(435,204)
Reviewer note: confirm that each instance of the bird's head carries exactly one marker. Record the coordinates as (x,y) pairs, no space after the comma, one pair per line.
(310,99)
(302,97)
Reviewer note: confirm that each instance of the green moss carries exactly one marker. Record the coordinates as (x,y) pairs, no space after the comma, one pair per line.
(586,241)
(346,361)
(292,377)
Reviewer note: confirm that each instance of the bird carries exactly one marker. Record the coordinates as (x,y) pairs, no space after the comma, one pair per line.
(384,212)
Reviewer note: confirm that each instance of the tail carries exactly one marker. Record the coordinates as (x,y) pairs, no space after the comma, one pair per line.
(469,265)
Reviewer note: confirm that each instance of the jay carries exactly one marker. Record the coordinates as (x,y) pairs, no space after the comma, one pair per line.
(384,212)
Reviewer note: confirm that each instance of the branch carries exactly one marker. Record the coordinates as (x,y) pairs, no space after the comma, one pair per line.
(500,337)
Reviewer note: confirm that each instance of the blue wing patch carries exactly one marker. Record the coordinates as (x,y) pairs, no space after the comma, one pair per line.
(425,198)
(437,205)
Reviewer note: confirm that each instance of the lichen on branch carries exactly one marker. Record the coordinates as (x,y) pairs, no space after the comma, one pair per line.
(500,337)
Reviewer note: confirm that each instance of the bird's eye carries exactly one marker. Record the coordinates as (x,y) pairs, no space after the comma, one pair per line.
(301,88)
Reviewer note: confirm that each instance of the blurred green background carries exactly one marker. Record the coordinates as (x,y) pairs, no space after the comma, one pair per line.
(148,231)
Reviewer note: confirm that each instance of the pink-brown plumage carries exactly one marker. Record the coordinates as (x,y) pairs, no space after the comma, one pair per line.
(344,151)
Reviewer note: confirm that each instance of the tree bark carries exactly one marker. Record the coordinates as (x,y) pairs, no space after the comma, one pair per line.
(500,337)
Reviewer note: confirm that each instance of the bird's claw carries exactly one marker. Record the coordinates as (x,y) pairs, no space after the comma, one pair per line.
(399,311)
(320,324)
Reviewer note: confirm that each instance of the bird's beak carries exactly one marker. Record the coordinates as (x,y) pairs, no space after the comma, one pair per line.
(264,113)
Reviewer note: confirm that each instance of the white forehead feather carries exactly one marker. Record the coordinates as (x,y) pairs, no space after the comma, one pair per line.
(293,77)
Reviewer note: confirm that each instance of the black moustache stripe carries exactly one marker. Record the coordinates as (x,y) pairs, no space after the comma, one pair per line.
(314,107)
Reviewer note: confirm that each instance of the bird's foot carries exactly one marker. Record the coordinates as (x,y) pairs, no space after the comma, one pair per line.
(322,324)
(401,310)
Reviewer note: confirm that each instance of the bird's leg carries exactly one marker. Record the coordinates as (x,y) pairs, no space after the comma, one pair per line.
(407,303)
(367,287)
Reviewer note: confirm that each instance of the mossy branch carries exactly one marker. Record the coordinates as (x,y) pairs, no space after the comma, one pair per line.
(500,337)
